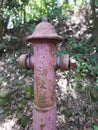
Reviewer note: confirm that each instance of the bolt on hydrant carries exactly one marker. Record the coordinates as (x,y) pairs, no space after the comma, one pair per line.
(45,62)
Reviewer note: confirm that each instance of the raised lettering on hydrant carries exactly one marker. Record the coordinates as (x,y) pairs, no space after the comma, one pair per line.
(45,62)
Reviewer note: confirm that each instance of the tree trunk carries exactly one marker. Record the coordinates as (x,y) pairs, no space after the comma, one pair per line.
(1,23)
(1,29)
(24,16)
(95,22)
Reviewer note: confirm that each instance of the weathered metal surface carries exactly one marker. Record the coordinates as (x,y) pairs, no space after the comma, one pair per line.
(45,62)
(44,119)
(44,74)
(72,63)
(44,86)
(21,61)
(65,63)
(44,30)
(26,61)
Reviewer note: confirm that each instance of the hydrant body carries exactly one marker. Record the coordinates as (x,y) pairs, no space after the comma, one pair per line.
(45,62)
(44,112)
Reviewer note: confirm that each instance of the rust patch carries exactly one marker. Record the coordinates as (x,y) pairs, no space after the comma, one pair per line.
(49,118)
(52,49)
(42,126)
(41,119)
(41,78)
(42,99)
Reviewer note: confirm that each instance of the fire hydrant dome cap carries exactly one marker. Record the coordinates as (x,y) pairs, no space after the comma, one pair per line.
(44,30)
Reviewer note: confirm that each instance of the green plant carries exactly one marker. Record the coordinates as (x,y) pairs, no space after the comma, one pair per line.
(29,91)
(21,106)
(3,102)
(69,114)
(24,121)
(7,43)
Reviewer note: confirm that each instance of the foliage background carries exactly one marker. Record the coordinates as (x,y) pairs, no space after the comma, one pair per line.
(77,22)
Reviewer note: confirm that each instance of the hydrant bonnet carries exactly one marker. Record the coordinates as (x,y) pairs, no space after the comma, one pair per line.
(44,30)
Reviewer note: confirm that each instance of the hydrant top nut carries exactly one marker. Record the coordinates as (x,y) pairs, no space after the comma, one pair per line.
(44,30)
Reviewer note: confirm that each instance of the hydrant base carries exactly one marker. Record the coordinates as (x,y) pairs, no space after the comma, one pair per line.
(44,120)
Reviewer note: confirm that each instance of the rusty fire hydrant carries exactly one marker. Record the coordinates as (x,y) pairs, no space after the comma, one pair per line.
(45,63)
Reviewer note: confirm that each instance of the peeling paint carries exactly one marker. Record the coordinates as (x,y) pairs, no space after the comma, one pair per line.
(42,126)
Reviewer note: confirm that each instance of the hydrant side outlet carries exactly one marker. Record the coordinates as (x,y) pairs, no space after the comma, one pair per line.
(26,61)
(22,61)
